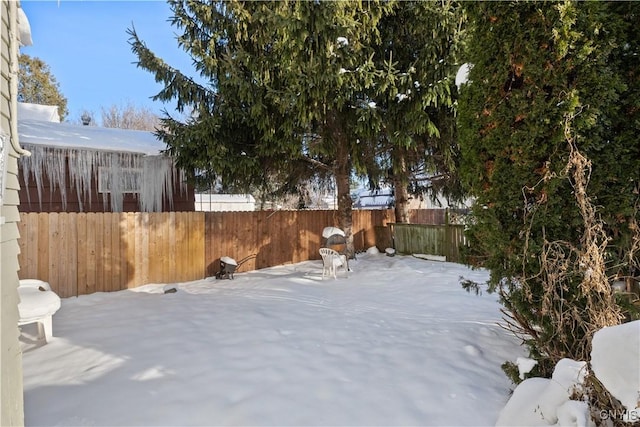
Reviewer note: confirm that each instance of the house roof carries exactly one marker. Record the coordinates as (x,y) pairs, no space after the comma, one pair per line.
(65,135)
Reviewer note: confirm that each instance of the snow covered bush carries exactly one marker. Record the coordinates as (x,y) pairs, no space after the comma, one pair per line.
(604,392)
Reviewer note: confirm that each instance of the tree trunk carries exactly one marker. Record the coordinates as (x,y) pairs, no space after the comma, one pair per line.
(400,186)
(342,172)
(345,204)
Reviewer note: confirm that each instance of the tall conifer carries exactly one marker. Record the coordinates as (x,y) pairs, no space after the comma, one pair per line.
(550,79)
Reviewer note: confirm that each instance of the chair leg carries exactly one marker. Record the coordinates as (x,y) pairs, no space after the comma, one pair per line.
(45,328)
(345,264)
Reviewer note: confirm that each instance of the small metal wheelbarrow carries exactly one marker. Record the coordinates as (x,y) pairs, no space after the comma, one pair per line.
(229,265)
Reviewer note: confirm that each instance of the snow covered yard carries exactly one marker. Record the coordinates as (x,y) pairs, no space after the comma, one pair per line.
(398,342)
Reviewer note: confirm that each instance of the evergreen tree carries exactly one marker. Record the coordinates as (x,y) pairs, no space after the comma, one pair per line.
(37,85)
(418,49)
(550,80)
(286,95)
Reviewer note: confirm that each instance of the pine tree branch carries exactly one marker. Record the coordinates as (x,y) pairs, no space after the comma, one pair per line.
(317,163)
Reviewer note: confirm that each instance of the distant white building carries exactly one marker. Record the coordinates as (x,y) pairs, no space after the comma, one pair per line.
(374,199)
(384,199)
(329,202)
(225,202)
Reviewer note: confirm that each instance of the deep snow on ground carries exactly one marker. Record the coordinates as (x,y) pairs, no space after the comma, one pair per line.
(562,399)
(397,342)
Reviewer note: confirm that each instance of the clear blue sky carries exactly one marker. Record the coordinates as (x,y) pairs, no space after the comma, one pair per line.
(85,44)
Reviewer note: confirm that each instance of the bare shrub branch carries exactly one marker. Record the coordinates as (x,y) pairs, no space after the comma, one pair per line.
(576,297)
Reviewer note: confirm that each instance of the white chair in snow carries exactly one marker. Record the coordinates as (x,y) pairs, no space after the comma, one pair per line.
(38,304)
(331,261)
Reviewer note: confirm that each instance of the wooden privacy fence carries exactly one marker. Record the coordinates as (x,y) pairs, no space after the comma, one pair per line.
(82,253)
(279,237)
(446,240)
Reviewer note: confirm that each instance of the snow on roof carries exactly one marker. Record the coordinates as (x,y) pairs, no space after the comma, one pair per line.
(47,113)
(24,29)
(65,135)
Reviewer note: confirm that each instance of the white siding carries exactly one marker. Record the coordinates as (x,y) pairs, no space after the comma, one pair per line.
(12,407)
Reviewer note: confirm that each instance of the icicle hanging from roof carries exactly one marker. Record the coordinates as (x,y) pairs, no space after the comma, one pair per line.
(80,172)
(151,178)
(156,170)
(44,160)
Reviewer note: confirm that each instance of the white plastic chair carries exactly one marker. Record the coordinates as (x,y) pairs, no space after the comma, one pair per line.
(331,261)
(38,303)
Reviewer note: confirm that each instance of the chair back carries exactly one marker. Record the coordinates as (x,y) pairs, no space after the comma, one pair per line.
(325,252)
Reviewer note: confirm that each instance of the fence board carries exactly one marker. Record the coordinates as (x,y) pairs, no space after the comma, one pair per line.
(71,248)
(142,247)
(129,237)
(81,225)
(101,254)
(273,250)
(155,247)
(248,243)
(91,256)
(165,266)
(106,254)
(182,237)
(303,237)
(121,225)
(212,231)
(116,253)
(172,254)
(43,246)
(145,227)
(197,269)
(29,248)
(54,249)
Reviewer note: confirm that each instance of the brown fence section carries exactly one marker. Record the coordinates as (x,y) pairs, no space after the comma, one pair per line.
(263,238)
(82,253)
(428,216)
